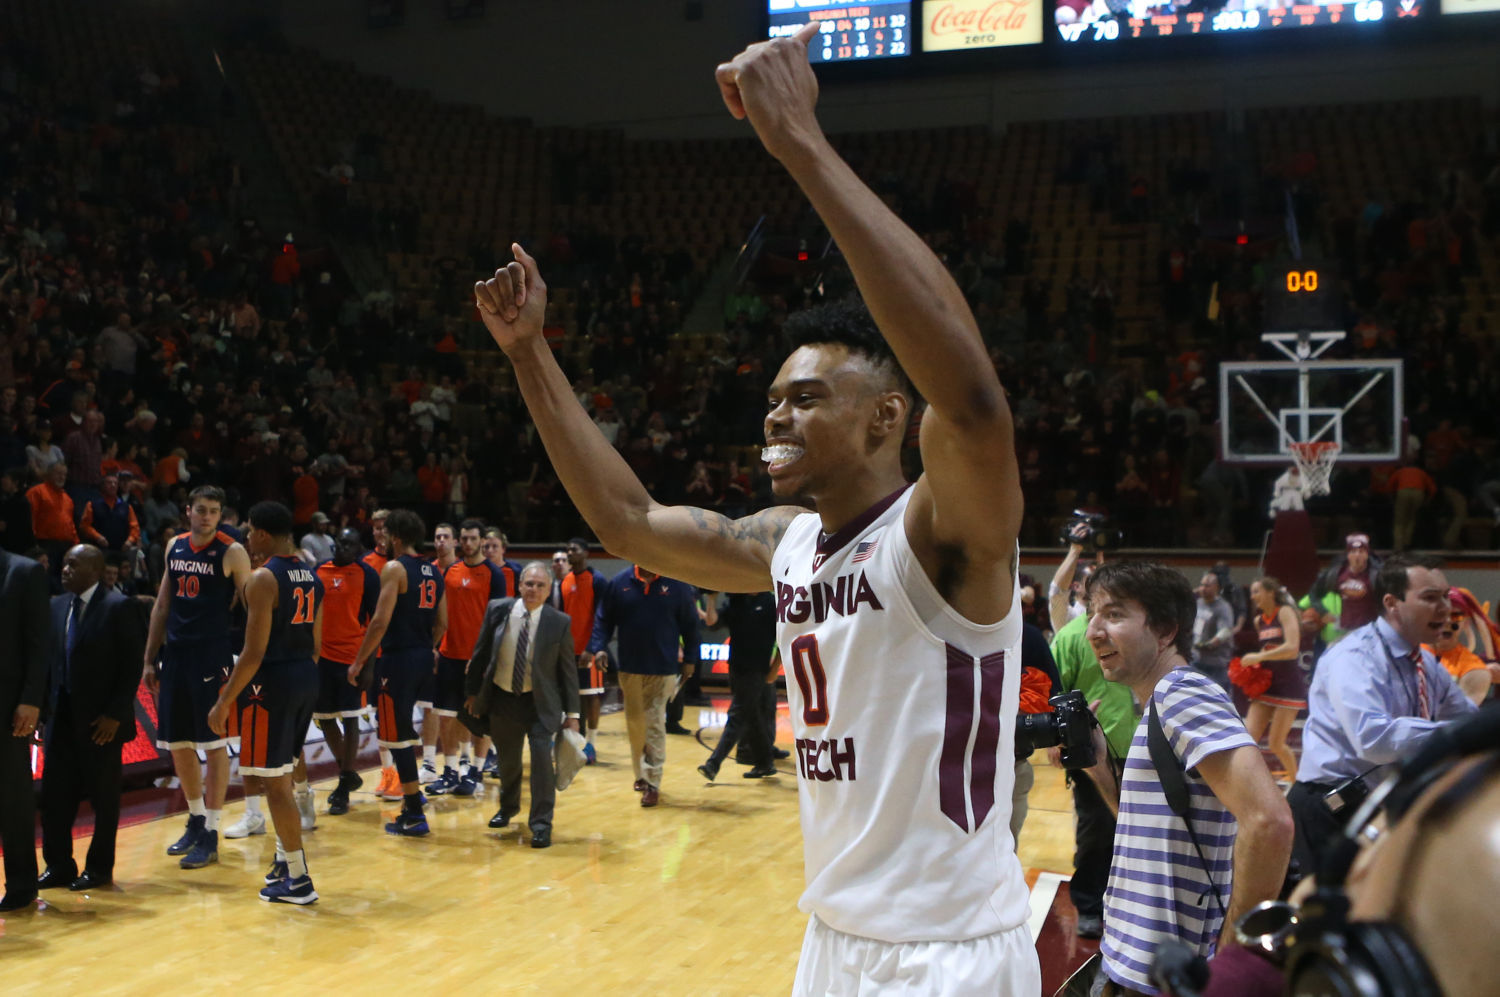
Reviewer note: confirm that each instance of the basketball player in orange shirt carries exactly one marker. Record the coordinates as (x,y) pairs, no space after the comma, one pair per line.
(470,583)
(898,605)
(390,783)
(350,590)
(580,589)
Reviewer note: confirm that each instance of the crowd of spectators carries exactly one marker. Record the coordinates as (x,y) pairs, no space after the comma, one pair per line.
(153,337)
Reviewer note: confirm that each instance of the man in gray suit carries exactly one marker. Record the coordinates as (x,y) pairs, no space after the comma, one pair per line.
(523,678)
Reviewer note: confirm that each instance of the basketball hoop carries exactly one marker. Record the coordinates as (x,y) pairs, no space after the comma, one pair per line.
(1314,464)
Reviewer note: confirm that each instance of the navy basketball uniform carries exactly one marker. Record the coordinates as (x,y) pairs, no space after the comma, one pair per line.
(407,660)
(277,706)
(197,655)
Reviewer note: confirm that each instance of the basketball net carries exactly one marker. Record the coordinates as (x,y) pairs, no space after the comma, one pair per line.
(1314,464)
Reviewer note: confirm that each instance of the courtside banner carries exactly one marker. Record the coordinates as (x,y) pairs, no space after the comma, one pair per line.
(951,25)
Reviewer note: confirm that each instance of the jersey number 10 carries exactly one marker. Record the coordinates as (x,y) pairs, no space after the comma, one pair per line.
(807,666)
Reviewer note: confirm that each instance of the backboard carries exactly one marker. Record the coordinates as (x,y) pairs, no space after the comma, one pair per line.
(1264,406)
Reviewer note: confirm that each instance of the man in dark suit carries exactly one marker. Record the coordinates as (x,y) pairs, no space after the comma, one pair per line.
(523,678)
(23,684)
(98,642)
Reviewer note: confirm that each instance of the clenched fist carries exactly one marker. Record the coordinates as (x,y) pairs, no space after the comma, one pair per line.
(513,303)
(772,84)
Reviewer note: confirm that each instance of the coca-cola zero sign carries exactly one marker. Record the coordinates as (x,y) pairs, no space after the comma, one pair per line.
(965,24)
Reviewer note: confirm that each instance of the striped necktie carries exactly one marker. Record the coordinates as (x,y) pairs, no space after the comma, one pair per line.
(523,643)
(1424,708)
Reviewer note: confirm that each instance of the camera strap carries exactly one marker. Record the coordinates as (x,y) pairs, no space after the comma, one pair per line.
(1173,778)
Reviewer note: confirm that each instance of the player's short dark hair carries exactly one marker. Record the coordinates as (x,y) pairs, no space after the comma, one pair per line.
(211,492)
(406,526)
(847,323)
(445,526)
(579,541)
(1162,592)
(472,524)
(273,517)
(1394,577)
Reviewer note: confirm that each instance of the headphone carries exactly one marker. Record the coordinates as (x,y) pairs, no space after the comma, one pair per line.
(1330,956)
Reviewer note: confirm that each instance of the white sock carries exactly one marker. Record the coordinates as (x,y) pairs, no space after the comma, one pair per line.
(296,864)
(589,734)
(195,807)
(386,761)
(450,762)
(429,755)
(299,788)
(280,851)
(211,819)
(252,806)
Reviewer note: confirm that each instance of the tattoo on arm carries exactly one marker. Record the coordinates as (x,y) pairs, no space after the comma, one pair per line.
(762,530)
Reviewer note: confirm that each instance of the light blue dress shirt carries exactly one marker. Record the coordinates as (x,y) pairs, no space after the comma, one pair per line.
(1362,709)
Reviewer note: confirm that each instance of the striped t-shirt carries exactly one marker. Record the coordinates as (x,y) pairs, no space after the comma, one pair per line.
(1157,886)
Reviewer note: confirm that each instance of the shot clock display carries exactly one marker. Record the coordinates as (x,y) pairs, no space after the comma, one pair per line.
(1113,20)
(1303,296)
(847,32)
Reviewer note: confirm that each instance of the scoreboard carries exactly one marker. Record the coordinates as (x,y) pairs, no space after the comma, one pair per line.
(1303,296)
(847,32)
(934,33)
(1114,20)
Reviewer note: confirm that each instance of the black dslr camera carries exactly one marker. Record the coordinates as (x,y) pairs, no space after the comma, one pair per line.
(1091,531)
(1070,724)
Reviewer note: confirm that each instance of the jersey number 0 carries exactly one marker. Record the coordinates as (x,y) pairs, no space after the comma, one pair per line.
(807,666)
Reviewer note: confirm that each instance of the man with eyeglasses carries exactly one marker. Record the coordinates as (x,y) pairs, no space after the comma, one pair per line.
(1376,697)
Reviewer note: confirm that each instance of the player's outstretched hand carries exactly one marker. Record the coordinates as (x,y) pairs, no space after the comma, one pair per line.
(513,303)
(772,84)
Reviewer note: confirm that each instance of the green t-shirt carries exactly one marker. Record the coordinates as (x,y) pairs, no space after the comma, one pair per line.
(1079,669)
(1332,603)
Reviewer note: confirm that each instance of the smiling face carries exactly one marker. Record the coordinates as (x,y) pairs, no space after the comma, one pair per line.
(1262,598)
(1419,616)
(831,413)
(1127,647)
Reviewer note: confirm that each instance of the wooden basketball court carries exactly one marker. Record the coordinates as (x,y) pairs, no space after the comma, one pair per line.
(697,896)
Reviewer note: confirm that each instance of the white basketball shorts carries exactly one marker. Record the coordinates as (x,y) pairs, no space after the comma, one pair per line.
(834,964)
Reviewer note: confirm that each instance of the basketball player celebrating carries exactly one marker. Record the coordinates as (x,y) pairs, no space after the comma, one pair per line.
(277,670)
(409,619)
(190,630)
(351,589)
(898,606)
(580,589)
(468,585)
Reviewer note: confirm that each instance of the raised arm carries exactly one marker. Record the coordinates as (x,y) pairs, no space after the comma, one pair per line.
(969,498)
(698,546)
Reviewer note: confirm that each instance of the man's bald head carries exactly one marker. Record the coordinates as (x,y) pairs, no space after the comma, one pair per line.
(82,568)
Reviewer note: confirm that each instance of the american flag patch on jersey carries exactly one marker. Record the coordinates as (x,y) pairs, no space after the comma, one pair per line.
(863,551)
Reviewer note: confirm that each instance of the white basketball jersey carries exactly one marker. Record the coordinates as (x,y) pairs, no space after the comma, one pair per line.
(904,714)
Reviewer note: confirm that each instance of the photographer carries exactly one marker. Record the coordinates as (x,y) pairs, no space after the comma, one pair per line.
(1408,906)
(1084,532)
(1377,695)
(1203,833)
(1094,831)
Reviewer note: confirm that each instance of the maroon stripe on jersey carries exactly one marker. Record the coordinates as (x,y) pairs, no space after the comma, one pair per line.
(959,720)
(987,740)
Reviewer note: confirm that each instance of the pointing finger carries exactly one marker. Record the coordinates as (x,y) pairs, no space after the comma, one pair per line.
(805,36)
